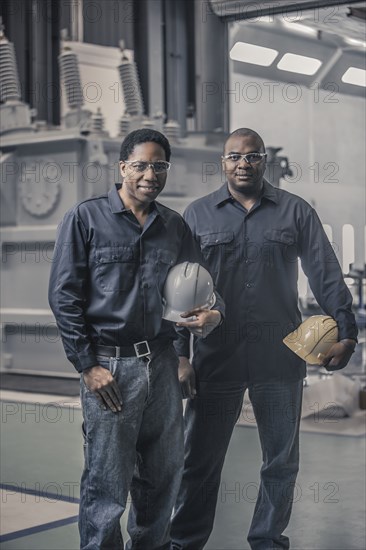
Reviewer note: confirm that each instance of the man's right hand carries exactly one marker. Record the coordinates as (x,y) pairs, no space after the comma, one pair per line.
(187,378)
(101,382)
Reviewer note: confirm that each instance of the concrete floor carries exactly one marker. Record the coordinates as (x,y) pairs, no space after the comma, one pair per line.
(42,457)
(329,502)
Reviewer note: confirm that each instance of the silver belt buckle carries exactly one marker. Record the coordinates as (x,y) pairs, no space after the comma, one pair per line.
(145,348)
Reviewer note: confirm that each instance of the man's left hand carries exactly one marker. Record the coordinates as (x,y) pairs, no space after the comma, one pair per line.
(206,320)
(339,355)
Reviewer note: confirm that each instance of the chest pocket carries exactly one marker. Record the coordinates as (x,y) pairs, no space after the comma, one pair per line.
(218,249)
(116,268)
(280,236)
(279,245)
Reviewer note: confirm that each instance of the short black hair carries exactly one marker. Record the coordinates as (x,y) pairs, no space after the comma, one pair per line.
(143,135)
(246,132)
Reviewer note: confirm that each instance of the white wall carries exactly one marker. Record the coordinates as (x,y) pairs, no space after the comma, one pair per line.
(312,126)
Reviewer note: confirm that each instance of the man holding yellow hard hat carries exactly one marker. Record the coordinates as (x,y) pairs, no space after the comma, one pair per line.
(251,235)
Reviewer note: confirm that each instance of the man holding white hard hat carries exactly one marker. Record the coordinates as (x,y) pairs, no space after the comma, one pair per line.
(112,256)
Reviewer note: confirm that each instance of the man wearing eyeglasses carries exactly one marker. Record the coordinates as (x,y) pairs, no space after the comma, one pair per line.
(251,235)
(111,259)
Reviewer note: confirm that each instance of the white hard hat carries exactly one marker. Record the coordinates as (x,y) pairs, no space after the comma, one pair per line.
(313,338)
(187,286)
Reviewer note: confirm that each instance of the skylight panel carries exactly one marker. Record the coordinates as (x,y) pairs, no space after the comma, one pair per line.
(355,76)
(295,63)
(250,53)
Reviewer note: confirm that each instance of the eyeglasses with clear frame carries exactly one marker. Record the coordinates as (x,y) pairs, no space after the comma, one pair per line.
(250,158)
(140,166)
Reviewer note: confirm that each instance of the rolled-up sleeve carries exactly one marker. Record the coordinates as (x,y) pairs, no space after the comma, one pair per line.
(68,288)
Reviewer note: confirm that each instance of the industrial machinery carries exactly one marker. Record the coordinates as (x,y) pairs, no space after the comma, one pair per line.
(47,169)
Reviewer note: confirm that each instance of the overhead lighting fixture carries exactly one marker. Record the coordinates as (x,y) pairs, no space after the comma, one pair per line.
(299,64)
(297,27)
(354,42)
(250,53)
(355,76)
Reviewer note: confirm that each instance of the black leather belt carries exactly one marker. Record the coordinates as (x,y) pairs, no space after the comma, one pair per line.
(140,349)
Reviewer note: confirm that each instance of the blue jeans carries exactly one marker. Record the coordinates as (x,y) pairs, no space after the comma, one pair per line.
(209,423)
(139,449)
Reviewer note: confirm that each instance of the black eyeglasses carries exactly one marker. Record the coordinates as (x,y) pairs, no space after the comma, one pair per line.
(250,158)
(140,166)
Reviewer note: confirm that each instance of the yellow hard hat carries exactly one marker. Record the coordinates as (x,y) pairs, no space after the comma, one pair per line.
(313,338)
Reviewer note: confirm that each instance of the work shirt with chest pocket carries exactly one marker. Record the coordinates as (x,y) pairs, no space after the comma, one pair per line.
(108,275)
(253,258)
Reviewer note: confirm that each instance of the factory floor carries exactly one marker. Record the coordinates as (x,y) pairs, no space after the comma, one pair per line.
(41,464)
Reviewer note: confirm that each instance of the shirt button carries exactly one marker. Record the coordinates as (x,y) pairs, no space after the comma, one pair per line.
(246,261)
(248,285)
